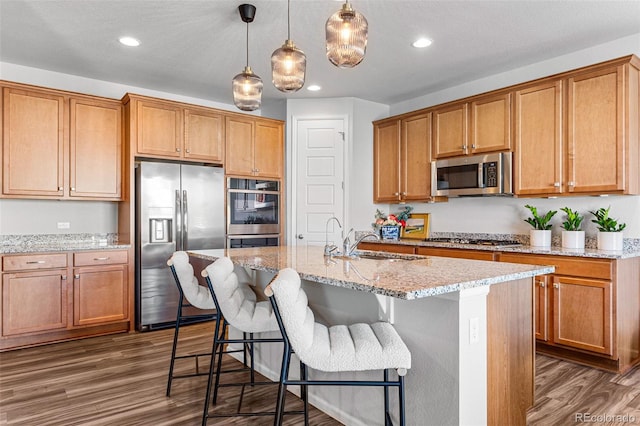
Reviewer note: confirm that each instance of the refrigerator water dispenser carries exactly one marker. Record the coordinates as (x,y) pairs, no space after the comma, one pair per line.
(160,230)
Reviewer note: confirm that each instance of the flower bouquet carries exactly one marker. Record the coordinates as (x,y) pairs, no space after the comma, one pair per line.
(389,225)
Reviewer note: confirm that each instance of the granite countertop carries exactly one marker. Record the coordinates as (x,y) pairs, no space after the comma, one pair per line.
(401,276)
(630,250)
(16,244)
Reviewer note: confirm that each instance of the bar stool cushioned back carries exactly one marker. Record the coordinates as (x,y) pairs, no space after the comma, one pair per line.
(197,295)
(356,347)
(238,301)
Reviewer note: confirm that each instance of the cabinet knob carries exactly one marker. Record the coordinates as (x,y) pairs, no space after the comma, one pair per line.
(556,285)
(63,277)
(464,147)
(556,184)
(60,188)
(541,283)
(188,151)
(300,237)
(177,149)
(73,188)
(403,193)
(76,276)
(396,193)
(571,183)
(473,146)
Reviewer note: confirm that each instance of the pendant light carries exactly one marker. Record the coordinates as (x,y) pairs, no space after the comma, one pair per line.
(288,63)
(247,86)
(346,34)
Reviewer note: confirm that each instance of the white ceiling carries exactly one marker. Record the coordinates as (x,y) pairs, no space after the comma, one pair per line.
(195,47)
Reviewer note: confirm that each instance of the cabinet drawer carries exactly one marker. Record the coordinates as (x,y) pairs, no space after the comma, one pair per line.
(574,266)
(33,261)
(93,258)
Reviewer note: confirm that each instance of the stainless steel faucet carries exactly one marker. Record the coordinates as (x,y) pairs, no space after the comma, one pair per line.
(329,248)
(348,249)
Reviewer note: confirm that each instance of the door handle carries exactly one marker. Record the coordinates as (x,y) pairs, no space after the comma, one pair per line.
(185,220)
(178,219)
(300,237)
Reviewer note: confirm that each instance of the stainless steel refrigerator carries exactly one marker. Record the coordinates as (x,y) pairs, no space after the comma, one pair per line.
(178,207)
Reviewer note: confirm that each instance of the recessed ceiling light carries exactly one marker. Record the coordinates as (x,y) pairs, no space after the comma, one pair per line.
(129,41)
(422,42)
(314,88)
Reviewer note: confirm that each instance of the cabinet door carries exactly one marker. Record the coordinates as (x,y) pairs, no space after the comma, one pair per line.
(386,162)
(159,129)
(450,131)
(491,124)
(100,295)
(240,133)
(95,145)
(204,135)
(415,158)
(595,136)
(34,302)
(538,138)
(34,134)
(269,149)
(582,314)
(541,303)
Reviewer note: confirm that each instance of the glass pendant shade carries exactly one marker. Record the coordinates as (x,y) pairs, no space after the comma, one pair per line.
(247,90)
(346,37)
(246,86)
(288,66)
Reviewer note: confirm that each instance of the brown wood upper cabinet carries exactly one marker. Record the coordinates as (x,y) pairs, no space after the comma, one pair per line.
(402,159)
(165,129)
(473,127)
(578,133)
(254,147)
(59,145)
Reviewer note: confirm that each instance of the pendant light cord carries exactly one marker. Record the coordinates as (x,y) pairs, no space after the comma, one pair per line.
(288,19)
(247,44)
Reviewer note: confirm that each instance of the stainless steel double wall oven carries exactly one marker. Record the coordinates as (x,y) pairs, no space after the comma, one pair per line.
(253,212)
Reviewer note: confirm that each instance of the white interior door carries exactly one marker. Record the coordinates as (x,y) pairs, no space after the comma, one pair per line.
(320,155)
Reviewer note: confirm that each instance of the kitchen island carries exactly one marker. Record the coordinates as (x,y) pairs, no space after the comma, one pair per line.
(467,323)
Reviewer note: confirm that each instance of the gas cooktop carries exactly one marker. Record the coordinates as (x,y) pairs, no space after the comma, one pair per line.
(478,242)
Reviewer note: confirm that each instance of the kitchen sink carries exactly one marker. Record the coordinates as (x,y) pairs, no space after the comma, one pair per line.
(392,257)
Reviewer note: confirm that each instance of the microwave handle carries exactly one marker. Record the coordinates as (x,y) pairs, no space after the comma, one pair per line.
(480,175)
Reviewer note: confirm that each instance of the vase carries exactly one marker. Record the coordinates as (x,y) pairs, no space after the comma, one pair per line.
(540,238)
(573,239)
(610,241)
(390,232)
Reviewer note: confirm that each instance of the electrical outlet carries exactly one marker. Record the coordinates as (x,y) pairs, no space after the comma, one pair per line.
(474,330)
(64,225)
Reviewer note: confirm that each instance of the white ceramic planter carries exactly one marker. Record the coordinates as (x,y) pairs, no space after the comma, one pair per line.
(610,241)
(540,238)
(573,239)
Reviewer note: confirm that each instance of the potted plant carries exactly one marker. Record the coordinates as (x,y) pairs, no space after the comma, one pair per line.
(540,235)
(572,236)
(609,230)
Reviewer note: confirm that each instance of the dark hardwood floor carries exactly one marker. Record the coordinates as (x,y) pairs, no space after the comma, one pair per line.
(121,380)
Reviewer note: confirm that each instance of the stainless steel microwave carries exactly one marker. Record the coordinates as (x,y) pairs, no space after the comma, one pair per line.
(489,174)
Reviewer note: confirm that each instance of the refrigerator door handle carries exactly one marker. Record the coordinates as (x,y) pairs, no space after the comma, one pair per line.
(178,221)
(185,221)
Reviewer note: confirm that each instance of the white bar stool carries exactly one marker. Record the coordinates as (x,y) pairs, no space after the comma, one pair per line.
(339,348)
(236,305)
(191,294)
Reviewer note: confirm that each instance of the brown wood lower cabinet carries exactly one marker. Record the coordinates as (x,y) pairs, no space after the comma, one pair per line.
(34,302)
(40,305)
(588,311)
